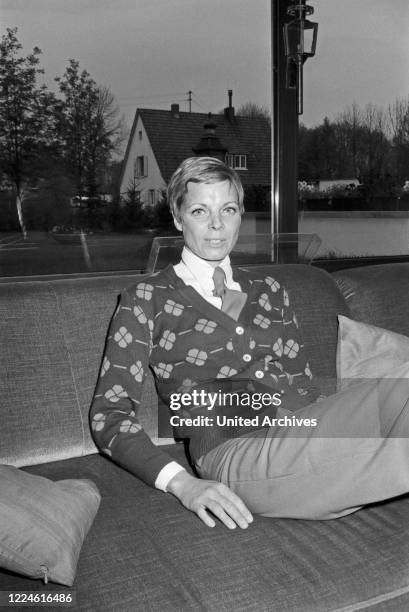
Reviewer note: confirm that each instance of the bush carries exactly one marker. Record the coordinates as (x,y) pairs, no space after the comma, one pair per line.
(161,217)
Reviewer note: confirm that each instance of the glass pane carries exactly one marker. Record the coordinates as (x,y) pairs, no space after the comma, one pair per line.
(86,205)
(252,249)
(354,136)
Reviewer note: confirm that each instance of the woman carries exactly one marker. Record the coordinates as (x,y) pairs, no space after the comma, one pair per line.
(208,333)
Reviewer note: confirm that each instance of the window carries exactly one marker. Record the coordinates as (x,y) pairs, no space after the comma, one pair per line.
(351,188)
(238,162)
(51,231)
(151,197)
(141,166)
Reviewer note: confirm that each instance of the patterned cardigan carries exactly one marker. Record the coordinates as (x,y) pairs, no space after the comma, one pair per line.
(167,326)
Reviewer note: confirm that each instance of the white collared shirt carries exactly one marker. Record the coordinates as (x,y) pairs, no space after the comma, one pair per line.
(198,273)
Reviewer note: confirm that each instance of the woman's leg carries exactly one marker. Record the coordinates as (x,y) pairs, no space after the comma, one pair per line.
(357,453)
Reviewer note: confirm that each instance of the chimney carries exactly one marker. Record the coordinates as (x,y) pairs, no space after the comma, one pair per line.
(229,110)
(174,109)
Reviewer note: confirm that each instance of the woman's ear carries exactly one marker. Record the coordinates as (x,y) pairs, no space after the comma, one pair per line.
(177,223)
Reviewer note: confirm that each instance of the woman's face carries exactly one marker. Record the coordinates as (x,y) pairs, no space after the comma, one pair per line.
(210,219)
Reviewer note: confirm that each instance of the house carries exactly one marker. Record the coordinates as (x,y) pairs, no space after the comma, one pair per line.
(161,139)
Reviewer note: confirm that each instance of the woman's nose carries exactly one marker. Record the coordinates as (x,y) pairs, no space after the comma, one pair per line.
(215,221)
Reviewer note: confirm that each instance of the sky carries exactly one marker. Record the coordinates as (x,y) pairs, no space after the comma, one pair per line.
(150,53)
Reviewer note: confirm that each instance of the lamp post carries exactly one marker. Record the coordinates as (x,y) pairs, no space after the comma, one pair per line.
(300,40)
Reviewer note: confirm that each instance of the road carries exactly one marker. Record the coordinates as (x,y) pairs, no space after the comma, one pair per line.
(41,254)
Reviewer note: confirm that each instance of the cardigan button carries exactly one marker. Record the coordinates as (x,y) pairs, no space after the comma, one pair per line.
(239,330)
(259,374)
(246,357)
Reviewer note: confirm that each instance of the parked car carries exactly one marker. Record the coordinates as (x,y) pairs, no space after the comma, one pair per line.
(69,234)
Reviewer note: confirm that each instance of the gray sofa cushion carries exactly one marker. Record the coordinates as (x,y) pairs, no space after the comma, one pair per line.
(39,404)
(378,295)
(145,552)
(43,523)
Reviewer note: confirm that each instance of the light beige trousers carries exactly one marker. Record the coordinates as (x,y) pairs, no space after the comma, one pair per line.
(357,454)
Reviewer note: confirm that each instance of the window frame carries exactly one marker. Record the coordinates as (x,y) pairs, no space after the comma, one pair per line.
(284,131)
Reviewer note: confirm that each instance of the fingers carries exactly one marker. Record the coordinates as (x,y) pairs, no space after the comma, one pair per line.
(225,505)
(241,507)
(224,517)
(202,514)
(201,496)
(234,509)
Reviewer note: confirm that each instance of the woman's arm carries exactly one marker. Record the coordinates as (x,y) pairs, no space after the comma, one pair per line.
(114,423)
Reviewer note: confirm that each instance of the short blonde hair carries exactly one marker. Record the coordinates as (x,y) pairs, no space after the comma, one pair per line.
(200,170)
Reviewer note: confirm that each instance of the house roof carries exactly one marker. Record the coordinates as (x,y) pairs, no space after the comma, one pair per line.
(174,135)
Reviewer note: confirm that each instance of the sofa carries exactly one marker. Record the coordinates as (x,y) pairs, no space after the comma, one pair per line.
(144,551)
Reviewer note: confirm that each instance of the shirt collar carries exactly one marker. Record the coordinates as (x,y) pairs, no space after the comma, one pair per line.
(202,270)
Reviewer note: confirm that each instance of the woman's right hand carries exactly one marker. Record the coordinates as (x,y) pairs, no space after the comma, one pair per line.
(201,496)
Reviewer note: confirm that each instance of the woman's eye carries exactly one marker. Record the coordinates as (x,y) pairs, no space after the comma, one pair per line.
(230,210)
(197,212)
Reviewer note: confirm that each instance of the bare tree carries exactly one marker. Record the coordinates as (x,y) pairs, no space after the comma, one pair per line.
(355,145)
(26,119)
(362,139)
(398,125)
(89,127)
(251,109)
(349,128)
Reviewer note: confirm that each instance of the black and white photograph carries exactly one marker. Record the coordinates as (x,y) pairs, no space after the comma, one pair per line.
(204,305)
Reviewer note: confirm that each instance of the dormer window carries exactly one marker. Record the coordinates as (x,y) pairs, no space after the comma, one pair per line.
(236,161)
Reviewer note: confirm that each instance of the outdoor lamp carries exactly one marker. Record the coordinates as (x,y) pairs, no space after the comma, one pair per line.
(300,40)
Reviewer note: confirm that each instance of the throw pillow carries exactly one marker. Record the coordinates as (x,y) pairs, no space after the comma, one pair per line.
(44,523)
(367,351)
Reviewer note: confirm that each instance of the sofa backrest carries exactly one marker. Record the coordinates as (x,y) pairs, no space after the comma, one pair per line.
(52,339)
(52,336)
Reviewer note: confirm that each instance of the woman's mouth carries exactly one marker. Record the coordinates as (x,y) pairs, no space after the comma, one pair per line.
(215,241)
